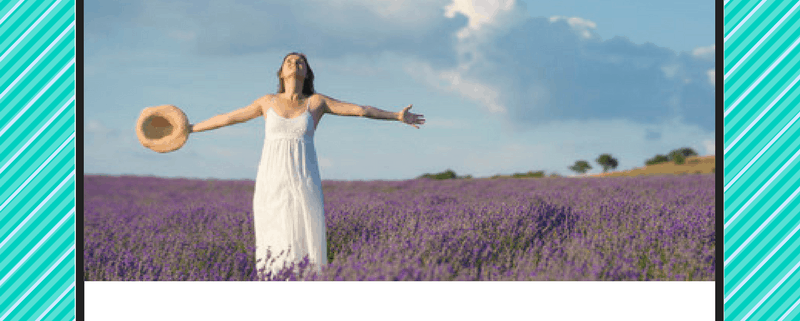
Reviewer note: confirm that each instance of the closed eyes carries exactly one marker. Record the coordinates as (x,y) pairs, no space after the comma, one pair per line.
(294,61)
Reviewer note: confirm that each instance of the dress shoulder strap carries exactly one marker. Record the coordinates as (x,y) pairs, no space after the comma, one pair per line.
(308,103)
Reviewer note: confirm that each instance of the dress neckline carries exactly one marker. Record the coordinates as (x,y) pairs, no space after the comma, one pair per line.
(308,102)
(281,117)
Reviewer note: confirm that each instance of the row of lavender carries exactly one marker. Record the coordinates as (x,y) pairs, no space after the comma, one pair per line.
(626,228)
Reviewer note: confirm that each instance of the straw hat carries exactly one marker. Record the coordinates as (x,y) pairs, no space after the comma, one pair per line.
(162,128)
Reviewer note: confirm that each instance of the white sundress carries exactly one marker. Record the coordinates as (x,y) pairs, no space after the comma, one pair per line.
(288,209)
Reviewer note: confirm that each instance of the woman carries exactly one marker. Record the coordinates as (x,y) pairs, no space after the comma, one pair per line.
(288,207)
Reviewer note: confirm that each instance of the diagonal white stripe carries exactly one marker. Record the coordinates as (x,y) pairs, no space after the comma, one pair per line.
(36,135)
(743,21)
(757,118)
(789,311)
(757,230)
(760,41)
(38,207)
(29,30)
(763,150)
(26,183)
(41,92)
(37,246)
(64,144)
(56,301)
(46,50)
(726,2)
(9,12)
(771,291)
(758,81)
(38,281)
(764,261)
(761,189)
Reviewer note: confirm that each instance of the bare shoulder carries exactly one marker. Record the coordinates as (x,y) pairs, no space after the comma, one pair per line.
(318,100)
(324,101)
(264,102)
(264,99)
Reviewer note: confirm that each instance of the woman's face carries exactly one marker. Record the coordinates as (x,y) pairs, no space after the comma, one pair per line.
(294,65)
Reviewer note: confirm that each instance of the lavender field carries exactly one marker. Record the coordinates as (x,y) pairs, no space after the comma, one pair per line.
(618,228)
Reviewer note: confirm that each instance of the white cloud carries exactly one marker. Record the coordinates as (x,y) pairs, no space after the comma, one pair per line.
(711,77)
(670,70)
(704,52)
(486,18)
(474,90)
(456,81)
(710,146)
(583,27)
(499,14)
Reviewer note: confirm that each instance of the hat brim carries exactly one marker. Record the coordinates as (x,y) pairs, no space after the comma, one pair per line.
(162,128)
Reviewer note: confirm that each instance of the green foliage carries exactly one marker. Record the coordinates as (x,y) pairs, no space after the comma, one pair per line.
(678,156)
(685,152)
(607,162)
(678,159)
(580,167)
(536,174)
(448,174)
(529,174)
(658,159)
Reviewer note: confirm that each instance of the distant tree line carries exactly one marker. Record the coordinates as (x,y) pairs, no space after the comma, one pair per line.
(676,155)
(606,161)
(448,174)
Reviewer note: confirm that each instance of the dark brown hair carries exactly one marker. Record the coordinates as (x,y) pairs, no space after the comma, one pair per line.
(308,82)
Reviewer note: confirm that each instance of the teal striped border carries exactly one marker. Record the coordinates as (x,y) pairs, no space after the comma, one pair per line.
(37,160)
(761,125)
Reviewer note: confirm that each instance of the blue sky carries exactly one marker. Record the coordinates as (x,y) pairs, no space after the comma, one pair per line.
(505,86)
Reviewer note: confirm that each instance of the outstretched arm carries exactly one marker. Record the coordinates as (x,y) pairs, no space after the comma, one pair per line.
(341,108)
(234,117)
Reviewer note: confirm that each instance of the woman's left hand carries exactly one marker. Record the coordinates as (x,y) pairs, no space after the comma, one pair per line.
(411,118)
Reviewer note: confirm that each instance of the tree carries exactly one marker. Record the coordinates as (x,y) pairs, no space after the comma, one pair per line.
(529,174)
(678,159)
(679,155)
(657,160)
(676,155)
(607,161)
(580,167)
(448,174)
(686,152)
